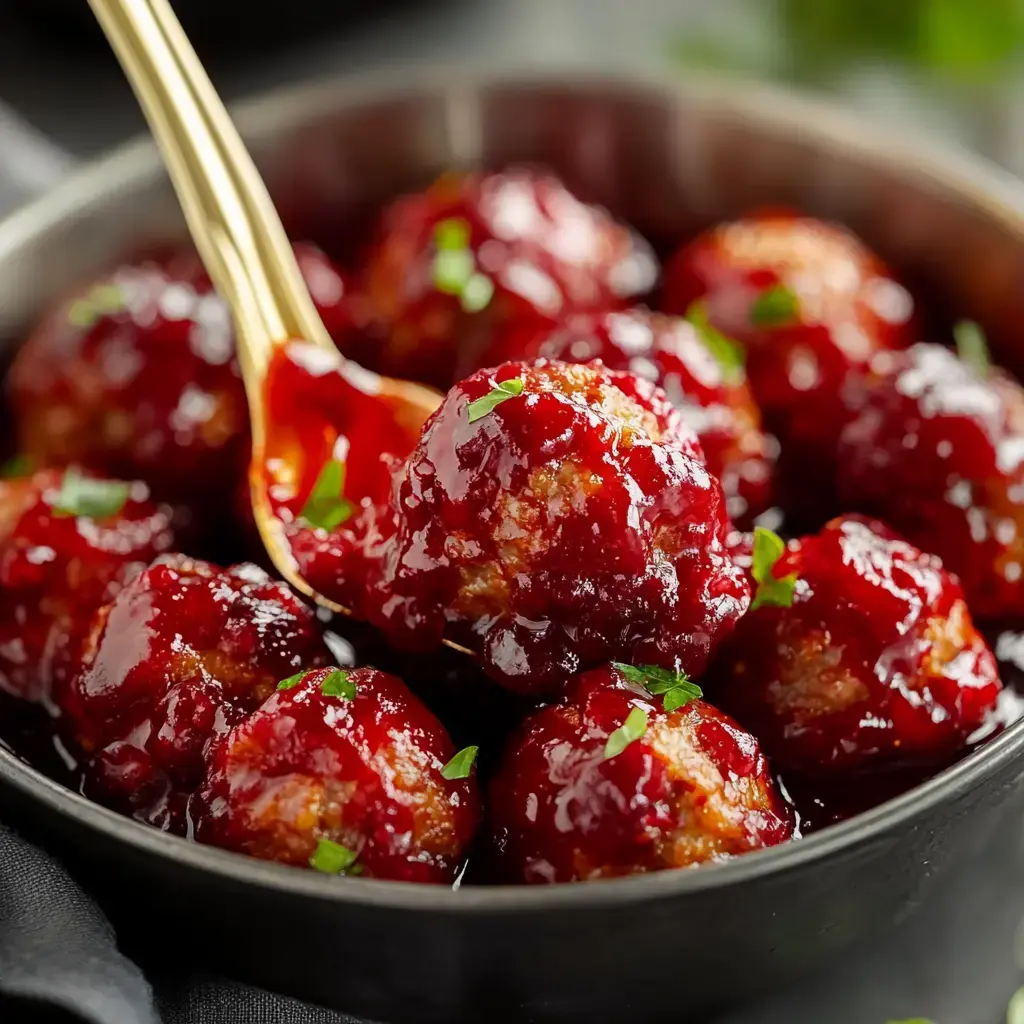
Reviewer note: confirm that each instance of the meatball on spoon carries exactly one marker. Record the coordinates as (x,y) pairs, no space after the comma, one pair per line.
(246,251)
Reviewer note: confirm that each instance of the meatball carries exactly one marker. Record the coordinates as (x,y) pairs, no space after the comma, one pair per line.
(700,371)
(137,377)
(68,543)
(179,656)
(608,782)
(554,516)
(373,788)
(938,453)
(811,305)
(475,252)
(858,653)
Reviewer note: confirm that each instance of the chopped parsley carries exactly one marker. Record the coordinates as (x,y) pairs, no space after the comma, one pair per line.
(726,352)
(460,765)
(101,300)
(502,392)
(17,466)
(455,271)
(333,859)
(292,681)
(326,507)
(631,730)
(674,688)
(84,496)
(768,549)
(338,684)
(972,348)
(776,306)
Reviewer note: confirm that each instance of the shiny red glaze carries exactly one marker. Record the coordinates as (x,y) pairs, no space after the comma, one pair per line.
(175,660)
(938,452)
(876,663)
(323,409)
(573,524)
(366,774)
(544,251)
(715,400)
(694,788)
(149,386)
(849,306)
(55,571)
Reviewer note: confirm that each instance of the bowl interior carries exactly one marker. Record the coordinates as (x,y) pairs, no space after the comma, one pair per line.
(668,157)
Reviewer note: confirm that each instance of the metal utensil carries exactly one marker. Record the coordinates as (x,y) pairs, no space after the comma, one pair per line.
(238,233)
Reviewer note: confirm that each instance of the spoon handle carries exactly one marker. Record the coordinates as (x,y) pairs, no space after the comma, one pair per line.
(230,215)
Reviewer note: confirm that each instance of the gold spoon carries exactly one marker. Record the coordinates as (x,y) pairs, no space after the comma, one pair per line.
(237,232)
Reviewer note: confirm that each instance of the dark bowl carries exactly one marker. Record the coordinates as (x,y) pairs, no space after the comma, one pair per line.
(668,156)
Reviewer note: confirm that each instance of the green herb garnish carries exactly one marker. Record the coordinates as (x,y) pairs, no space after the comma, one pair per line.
(972,348)
(674,688)
(17,466)
(631,730)
(326,507)
(776,306)
(452,233)
(768,549)
(332,858)
(455,271)
(459,766)
(728,353)
(500,393)
(99,301)
(83,496)
(292,681)
(477,293)
(338,684)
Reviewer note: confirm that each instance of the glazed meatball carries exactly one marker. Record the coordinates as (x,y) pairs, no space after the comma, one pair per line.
(858,653)
(373,788)
(938,453)
(179,656)
(811,305)
(476,252)
(608,782)
(554,516)
(137,377)
(700,371)
(68,543)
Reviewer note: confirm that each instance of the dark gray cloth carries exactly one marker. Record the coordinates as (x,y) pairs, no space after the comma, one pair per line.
(57,948)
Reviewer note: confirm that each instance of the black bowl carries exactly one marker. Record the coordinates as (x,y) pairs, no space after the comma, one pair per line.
(669,157)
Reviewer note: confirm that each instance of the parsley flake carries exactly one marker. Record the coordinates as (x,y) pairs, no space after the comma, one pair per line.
(674,688)
(332,858)
(84,496)
(292,681)
(452,233)
(776,306)
(768,549)
(477,293)
(16,467)
(455,270)
(460,765)
(630,731)
(972,348)
(338,684)
(326,507)
(501,392)
(101,300)
(726,352)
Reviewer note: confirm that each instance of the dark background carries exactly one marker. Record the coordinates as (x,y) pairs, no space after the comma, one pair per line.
(938,68)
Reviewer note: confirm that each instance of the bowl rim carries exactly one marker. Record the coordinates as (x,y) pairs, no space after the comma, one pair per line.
(996,192)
